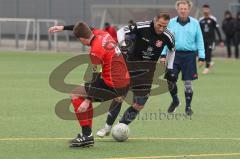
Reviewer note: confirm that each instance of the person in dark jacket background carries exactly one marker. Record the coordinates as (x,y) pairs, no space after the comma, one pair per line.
(227,27)
(237,34)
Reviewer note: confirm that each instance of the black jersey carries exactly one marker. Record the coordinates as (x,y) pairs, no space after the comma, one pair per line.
(209,26)
(144,48)
(227,26)
(146,44)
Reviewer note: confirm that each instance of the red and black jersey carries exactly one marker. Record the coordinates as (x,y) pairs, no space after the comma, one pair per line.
(105,52)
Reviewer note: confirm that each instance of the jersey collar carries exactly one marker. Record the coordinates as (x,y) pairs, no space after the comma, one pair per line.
(183,22)
(92,40)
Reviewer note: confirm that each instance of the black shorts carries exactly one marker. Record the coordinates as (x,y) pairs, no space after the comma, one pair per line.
(185,62)
(141,81)
(98,91)
(141,90)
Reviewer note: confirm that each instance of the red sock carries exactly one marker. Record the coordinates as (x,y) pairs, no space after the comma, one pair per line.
(84,119)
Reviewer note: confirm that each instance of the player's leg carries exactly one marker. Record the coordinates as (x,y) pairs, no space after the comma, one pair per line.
(172,83)
(140,96)
(236,44)
(95,90)
(78,96)
(85,119)
(189,72)
(228,43)
(237,47)
(131,113)
(188,96)
(114,110)
(172,86)
(213,48)
(208,53)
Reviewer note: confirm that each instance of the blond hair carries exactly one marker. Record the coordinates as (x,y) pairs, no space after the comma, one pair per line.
(188,2)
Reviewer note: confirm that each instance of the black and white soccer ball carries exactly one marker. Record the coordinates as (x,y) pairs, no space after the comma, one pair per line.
(120,132)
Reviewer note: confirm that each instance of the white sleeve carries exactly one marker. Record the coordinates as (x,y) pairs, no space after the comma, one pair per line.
(121,37)
(170,59)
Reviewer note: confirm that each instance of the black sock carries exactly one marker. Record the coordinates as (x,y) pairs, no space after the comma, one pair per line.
(113,112)
(129,115)
(207,64)
(173,91)
(188,98)
(86,130)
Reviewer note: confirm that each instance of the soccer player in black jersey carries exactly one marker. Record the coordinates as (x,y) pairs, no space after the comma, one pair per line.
(209,27)
(147,41)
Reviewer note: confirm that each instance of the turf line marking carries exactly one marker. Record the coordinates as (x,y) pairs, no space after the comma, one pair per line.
(32,139)
(99,139)
(181,156)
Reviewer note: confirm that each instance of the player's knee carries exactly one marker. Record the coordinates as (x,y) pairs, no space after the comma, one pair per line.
(188,86)
(171,76)
(138,107)
(73,96)
(171,85)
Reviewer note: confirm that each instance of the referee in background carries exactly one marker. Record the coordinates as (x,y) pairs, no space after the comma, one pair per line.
(189,41)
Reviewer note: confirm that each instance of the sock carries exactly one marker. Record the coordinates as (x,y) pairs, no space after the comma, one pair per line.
(86,130)
(113,112)
(84,119)
(173,91)
(188,98)
(129,115)
(207,64)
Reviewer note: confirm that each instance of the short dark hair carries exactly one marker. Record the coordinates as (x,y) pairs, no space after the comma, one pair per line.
(227,12)
(82,30)
(131,22)
(206,6)
(107,24)
(165,16)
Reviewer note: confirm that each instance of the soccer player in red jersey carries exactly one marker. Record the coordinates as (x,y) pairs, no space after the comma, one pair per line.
(111,83)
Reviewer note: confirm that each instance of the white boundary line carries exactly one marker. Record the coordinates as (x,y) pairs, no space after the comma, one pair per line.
(143,138)
(99,139)
(182,156)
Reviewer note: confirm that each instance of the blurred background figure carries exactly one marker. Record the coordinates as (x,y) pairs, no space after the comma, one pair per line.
(111,30)
(131,22)
(227,27)
(237,34)
(209,26)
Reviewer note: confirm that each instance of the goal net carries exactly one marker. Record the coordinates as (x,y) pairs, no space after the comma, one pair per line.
(119,15)
(234,8)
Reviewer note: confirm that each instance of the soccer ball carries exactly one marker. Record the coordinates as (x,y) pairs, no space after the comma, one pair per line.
(120,132)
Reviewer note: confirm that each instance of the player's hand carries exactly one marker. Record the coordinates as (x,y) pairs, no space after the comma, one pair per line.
(221,44)
(163,61)
(57,28)
(200,64)
(84,106)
